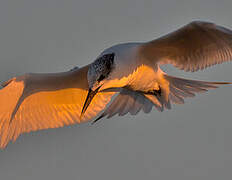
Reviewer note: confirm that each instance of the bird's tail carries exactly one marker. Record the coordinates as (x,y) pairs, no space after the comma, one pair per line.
(180,88)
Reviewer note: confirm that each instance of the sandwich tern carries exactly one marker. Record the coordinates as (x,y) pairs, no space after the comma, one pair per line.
(124,78)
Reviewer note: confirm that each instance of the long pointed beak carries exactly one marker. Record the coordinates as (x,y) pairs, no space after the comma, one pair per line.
(88,100)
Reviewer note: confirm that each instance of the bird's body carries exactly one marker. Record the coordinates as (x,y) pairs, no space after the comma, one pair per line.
(131,72)
(130,69)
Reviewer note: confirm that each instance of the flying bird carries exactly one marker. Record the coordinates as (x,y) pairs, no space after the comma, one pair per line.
(124,78)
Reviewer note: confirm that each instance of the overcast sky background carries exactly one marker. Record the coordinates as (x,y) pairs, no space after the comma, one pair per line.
(191,141)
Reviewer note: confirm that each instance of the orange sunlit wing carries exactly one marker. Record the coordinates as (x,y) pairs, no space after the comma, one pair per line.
(41,101)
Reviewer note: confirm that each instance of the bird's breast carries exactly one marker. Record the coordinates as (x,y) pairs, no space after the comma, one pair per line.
(143,78)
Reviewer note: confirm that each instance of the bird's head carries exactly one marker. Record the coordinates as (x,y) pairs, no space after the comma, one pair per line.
(98,72)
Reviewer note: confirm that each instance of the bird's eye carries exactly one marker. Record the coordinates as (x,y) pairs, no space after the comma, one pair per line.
(101,78)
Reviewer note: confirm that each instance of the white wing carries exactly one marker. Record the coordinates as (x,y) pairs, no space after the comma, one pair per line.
(40,101)
(195,46)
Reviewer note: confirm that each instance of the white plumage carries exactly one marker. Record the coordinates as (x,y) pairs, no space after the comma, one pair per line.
(130,71)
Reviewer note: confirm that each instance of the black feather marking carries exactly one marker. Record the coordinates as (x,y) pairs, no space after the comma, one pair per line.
(100,117)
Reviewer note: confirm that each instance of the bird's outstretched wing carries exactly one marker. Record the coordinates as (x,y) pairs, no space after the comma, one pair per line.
(195,46)
(39,101)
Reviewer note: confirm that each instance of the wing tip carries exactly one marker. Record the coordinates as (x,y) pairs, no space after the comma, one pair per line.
(4,84)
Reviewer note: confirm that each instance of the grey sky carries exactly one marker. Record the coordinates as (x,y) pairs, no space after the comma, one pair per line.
(191,141)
